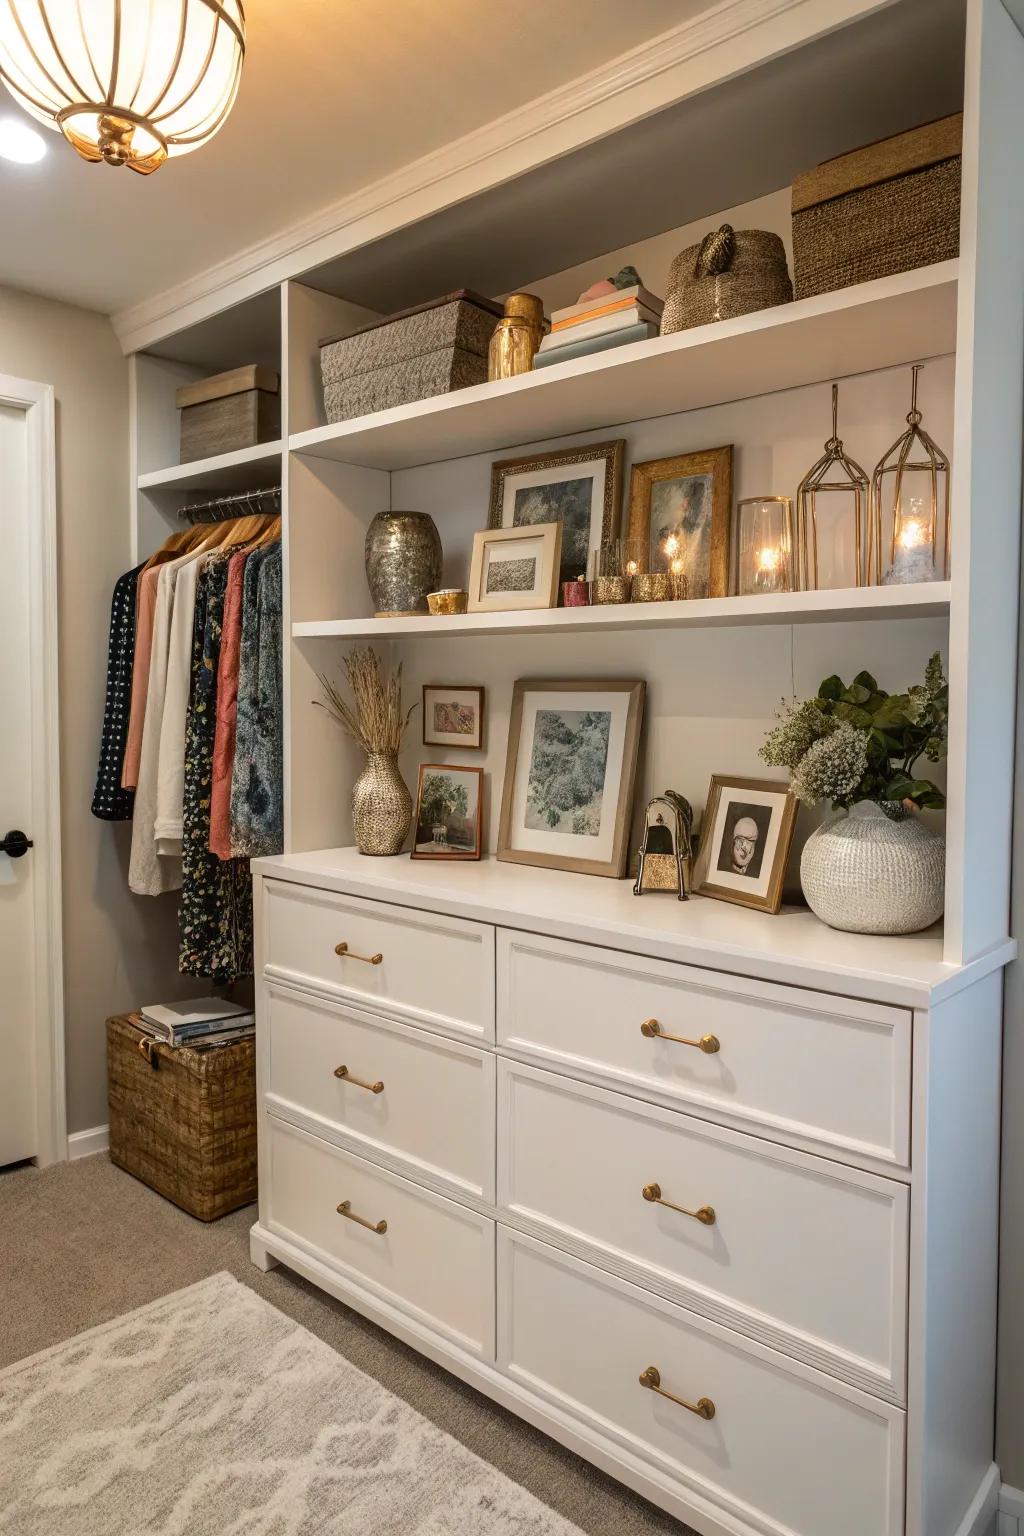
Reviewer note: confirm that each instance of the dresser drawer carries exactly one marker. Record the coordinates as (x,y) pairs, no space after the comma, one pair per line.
(803,1254)
(424,968)
(786,1450)
(809,1068)
(434,1259)
(379,1084)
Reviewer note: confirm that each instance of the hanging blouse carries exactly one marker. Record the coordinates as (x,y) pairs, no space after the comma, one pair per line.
(257,802)
(227,701)
(110,801)
(170,774)
(144,613)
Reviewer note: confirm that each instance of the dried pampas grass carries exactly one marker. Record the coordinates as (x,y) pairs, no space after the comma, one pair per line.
(374,720)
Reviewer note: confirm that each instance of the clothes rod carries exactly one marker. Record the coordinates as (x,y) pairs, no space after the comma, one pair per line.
(219,508)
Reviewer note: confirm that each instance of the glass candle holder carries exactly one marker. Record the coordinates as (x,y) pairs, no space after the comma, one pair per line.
(611,568)
(910,506)
(763,544)
(576,594)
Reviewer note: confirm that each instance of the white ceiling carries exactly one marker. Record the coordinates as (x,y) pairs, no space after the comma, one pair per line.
(335,94)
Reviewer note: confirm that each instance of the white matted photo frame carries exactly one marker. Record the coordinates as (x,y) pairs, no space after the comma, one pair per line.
(514,568)
(453,715)
(569,774)
(448,823)
(580,488)
(745,842)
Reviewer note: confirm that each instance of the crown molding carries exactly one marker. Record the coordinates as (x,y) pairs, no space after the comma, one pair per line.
(720,43)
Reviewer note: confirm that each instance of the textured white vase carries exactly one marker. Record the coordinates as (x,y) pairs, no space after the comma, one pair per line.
(868,874)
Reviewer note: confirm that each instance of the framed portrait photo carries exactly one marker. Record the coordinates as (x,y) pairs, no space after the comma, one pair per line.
(745,842)
(514,568)
(580,488)
(453,715)
(569,774)
(680,513)
(449,807)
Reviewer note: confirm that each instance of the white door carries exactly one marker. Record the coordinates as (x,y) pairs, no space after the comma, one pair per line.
(31,987)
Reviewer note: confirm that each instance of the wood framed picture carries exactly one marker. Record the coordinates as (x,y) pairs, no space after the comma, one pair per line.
(449,812)
(680,513)
(580,488)
(569,774)
(453,715)
(515,568)
(745,842)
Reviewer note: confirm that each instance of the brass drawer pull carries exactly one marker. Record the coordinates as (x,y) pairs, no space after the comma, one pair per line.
(343,949)
(704,1408)
(357,1082)
(709,1044)
(706,1214)
(345,1209)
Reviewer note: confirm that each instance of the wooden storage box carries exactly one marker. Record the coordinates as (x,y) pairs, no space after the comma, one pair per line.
(885,208)
(184,1121)
(232,410)
(420,352)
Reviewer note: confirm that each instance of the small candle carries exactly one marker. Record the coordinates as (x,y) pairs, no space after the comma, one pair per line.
(912,560)
(769,562)
(678,576)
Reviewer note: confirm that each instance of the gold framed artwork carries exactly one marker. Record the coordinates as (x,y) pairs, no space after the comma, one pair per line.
(515,568)
(569,774)
(680,515)
(580,488)
(453,716)
(449,812)
(745,842)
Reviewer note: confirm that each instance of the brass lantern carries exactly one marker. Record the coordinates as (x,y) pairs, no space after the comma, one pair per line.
(910,506)
(832,513)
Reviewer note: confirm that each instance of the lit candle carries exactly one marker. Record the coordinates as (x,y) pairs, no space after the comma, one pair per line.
(912,559)
(769,562)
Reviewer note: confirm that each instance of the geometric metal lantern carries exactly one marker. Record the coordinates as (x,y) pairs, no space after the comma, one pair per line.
(764,545)
(910,526)
(833,528)
(131,82)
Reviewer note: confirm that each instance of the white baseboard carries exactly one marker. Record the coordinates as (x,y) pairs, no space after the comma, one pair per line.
(1011,1512)
(981,1518)
(88,1143)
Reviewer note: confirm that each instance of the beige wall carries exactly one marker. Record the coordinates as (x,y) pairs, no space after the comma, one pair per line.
(118,949)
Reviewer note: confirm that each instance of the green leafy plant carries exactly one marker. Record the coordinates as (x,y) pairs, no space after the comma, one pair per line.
(856,742)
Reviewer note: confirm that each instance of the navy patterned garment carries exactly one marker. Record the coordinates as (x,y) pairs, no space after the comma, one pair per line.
(257,803)
(110,802)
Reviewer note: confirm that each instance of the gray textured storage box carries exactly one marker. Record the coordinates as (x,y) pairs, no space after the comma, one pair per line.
(428,350)
(232,410)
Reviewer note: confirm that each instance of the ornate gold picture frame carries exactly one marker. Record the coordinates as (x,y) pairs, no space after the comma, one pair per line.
(581,488)
(680,515)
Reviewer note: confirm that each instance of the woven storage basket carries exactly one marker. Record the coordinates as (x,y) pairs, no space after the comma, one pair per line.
(184,1121)
(753,275)
(883,209)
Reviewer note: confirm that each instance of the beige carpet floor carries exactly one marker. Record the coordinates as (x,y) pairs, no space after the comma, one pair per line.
(82,1243)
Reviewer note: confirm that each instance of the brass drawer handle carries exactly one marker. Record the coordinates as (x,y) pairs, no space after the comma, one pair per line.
(704,1408)
(709,1044)
(705,1215)
(345,1209)
(357,1082)
(343,949)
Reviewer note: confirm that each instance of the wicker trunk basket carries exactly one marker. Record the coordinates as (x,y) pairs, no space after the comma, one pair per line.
(184,1121)
(731,272)
(886,208)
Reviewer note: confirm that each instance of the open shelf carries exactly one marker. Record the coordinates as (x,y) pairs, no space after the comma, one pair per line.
(243,470)
(873,325)
(926,601)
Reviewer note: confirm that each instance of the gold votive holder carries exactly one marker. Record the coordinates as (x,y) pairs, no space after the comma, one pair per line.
(609,589)
(652,587)
(448,601)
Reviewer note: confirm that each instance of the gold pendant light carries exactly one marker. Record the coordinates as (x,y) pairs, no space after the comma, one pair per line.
(131,82)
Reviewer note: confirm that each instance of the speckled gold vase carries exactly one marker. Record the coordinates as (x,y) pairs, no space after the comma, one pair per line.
(381,807)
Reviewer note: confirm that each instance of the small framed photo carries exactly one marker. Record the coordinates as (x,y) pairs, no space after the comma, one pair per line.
(579,488)
(745,842)
(449,807)
(453,715)
(569,774)
(515,568)
(680,513)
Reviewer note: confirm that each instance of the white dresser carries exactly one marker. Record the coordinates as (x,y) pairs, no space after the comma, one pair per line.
(722,1223)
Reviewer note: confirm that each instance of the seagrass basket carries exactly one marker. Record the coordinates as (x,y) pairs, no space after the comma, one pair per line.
(184,1121)
(731,272)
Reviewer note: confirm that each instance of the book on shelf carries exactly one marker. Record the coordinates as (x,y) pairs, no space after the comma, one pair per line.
(634,315)
(608,304)
(643,331)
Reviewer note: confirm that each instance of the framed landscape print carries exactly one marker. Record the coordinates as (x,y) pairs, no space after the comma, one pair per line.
(453,715)
(580,488)
(569,774)
(514,568)
(449,805)
(745,841)
(680,511)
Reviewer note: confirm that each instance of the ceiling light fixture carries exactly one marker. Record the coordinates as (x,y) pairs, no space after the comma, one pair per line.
(125,82)
(19,142)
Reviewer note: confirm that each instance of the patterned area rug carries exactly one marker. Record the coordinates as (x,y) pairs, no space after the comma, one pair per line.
(210,1413)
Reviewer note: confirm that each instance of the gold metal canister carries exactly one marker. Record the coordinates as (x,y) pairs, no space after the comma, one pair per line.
(517,337)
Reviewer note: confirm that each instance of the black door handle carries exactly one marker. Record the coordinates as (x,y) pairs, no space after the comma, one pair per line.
(16,845)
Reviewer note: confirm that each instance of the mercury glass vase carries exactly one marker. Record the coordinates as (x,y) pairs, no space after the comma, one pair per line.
(865,873)
(381,807)
(403,562)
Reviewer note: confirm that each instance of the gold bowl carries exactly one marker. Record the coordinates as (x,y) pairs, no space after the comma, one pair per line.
(448,600)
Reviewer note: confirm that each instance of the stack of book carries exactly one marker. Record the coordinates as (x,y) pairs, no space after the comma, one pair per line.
(202,1022)
(609,320)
